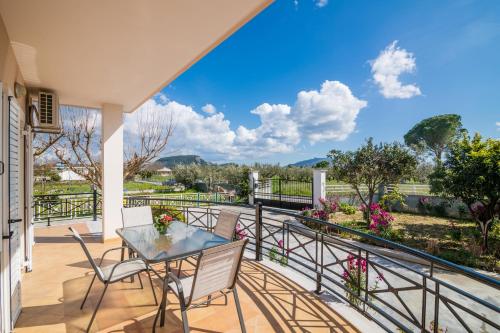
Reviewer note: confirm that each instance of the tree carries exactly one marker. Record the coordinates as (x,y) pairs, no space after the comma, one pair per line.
(187,174)
(154,129)
(43,142)
(471,172)
(372,165)
(80,145)
(434,134)
(322,165)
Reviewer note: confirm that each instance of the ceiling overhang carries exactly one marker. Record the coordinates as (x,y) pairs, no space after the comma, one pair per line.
(116,51)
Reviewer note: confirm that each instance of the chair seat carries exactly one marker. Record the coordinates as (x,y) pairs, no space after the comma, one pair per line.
(187,284)
(123,270)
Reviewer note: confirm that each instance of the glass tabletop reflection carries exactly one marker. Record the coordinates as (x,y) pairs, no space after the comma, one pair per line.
(182,241)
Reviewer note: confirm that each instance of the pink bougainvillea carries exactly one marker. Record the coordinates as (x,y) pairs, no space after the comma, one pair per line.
(380,219)
(240,232)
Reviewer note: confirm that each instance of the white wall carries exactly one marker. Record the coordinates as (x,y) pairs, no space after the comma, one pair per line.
(112,169)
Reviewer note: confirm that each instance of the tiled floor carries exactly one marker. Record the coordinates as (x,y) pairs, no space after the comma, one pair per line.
(52,294)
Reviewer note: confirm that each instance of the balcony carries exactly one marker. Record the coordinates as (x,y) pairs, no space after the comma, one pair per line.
(270,301)
(306,292)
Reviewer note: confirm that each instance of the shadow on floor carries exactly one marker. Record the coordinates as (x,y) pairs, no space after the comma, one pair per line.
(270,303)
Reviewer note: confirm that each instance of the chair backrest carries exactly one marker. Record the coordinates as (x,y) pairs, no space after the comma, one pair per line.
(226,224)
(91,260)
(217,269)
(135,216)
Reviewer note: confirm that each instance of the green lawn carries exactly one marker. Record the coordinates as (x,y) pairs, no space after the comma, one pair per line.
(84,186)
(451,239)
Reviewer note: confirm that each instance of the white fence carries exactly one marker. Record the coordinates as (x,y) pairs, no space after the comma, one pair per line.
(215,197)
(408,189)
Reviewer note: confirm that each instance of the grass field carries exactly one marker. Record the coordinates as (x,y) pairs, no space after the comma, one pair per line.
(83,186)
(451,239)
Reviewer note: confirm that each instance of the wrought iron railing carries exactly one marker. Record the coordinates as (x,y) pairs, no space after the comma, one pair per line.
(400,288)
(284,193)
(51,207)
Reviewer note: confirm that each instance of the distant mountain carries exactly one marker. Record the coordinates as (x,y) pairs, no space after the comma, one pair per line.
(309,163)
(172,161)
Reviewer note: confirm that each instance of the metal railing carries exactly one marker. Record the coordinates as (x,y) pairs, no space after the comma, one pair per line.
(399,296)
(50,207)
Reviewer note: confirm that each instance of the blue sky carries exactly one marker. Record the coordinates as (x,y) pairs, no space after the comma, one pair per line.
(446,60)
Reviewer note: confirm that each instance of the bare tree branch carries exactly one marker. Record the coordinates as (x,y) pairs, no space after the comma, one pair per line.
(79,146)
(42,142)
(154,129)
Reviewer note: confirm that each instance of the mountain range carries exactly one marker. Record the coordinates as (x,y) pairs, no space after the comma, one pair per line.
(310,162)
(172,161)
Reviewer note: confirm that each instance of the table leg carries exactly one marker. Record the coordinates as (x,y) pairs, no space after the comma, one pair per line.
(163,304)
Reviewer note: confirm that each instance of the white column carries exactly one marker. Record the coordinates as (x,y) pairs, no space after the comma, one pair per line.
(319,186)
(253,177)
(112,169)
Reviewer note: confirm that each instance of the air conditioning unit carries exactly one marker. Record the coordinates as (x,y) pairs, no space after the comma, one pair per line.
(48,119)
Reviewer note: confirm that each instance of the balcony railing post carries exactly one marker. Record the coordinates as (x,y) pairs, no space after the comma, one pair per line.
(318,283)
(258,231)
(94,207)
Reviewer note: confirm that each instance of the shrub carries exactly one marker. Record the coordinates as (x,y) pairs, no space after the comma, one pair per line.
(462,211)
(380,220)
(329,205)
(455,232)
(392,198)
(440,209)
(424,204)
(347,209)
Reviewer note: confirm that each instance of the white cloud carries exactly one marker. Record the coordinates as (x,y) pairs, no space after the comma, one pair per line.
(321,3)
(498,125)
(389,65)
(327,114)
(209,108)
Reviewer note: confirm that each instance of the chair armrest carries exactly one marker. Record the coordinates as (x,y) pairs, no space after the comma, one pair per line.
(180,290)
(124,262)
(177,282)
(107,251)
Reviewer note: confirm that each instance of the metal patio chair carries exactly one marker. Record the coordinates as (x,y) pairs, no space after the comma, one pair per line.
(132,217)
(216,272)
(225,228)
(111,273)
(226,224)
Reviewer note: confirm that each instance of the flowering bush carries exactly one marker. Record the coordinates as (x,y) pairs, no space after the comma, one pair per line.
(240,232)
(163,222)
(425,203)
(328,206)
(381,220)
(354,282)
(276,254)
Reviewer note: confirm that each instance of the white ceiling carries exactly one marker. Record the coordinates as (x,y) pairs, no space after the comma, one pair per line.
(116,51)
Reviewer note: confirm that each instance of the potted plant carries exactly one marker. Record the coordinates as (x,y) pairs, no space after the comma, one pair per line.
(162,223)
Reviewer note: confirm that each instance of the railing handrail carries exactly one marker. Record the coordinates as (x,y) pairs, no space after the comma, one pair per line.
(63,194)
(469,272)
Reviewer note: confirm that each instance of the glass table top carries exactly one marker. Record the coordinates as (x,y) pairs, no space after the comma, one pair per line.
(182,241)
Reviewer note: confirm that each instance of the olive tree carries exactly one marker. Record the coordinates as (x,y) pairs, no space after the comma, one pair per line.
(471,173)
(372,165)
(434,134)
